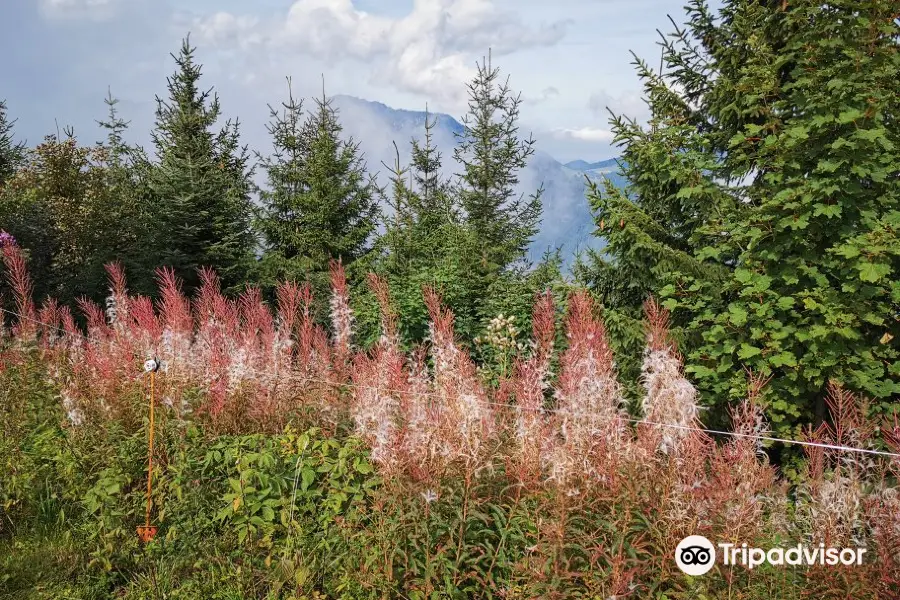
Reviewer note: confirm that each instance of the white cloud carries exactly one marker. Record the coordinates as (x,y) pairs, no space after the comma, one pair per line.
(629,104)
(585,134)
(93,9)
(430,51)
(546,94)
(225,29)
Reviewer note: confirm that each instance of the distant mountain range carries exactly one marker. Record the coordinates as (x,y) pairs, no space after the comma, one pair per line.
(567,222)
(583,165)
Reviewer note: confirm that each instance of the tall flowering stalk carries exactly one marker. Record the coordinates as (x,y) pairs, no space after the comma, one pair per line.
(670,399)
(531,379)
(19,280)
(833,503)
(215,342)
(177,323)
(740,484)
(341,321)
(380,380)
(467,419)
(589,400)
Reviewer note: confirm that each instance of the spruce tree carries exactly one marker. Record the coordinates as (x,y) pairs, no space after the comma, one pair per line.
(491,154)
(200,185)
(425,166)
(320,204)
(125,168)
(764,201)
(654,228)
(426,242)
(278,219)
(12,153)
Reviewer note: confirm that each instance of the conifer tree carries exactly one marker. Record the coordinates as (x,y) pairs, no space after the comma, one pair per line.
(12,153)
(764,200)
(200,184)
(429,240)
(426,165)
(278,220)
(491,154)
(125,168)
(422,199)
(426,242)
(320,204)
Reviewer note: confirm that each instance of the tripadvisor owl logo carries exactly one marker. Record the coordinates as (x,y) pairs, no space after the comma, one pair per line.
(695,555)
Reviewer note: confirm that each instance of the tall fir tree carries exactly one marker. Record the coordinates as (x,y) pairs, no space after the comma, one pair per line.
(200,184)
(426,242)
(126,179)
(491,154)
(425,165)
(764,201)
(320,204)
(12,153)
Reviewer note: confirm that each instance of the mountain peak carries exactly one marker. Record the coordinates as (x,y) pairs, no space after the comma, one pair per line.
(582,165)
(567,220)
(399,118)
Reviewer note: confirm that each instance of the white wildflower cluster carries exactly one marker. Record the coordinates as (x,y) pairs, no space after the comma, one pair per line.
(670,397)
(112,310)
(342,318)
(175,347)
(502,335)
(752,425)
(589,416)
(420,443)
(374,418)
(534,376)
(465,413)
(74,414)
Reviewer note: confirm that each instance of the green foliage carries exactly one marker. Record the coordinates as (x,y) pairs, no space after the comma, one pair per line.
(73,209)
(320,203)
(12,153)
(764,202)
(425,243)
(200,184)
(491,153)
(465,238)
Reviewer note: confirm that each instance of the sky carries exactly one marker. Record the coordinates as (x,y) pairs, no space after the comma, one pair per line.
(570,59)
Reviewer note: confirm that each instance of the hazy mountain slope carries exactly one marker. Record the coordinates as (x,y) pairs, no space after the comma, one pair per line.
(566,222)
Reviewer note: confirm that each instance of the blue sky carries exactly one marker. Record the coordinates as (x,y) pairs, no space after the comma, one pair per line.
(569,58)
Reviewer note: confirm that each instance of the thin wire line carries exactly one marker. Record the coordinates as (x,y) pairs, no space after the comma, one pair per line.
(54,327)
(294,377)
(63,330)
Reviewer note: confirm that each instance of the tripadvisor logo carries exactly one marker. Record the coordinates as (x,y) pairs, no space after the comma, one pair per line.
(696,555)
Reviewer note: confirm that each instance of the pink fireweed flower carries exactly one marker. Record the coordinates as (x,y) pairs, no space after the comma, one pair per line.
(22,286)
(341,319)
(590,414)
(382,386)
(467,419)
(530,384)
